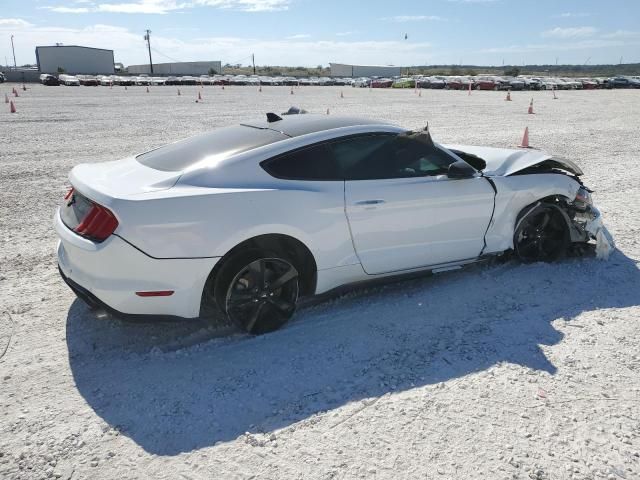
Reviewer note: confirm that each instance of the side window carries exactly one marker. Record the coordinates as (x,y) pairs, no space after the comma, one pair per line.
(312,163)
(389,156)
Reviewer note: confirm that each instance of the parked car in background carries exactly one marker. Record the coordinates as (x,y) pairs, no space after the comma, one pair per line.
(405,82)
(69,80)
(2,78)
(486,83)
(88,80)
(454,83)
(588,83)
(49,80)
(361,82)
(623,82)
(381,83)
(516,83)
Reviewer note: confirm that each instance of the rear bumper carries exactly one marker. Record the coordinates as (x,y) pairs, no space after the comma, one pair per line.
(109,274)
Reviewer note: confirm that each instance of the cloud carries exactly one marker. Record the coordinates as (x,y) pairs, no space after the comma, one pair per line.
(571,15)
(14,22)
(587,44)
(68,9)
(413,18)
(473,1)
(344,34)
(569,32)
(162,7)
(130,48)
(298,36)
(621,34)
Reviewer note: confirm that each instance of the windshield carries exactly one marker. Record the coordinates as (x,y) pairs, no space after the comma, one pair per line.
(220,143)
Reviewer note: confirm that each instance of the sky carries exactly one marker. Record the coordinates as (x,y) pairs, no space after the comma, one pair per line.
(316,32)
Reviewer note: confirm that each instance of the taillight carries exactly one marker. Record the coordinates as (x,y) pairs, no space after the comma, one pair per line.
(98,224)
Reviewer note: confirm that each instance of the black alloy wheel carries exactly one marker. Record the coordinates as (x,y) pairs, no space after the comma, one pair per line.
(262,296)
(542,236)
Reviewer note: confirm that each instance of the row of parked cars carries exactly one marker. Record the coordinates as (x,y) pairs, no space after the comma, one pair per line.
(435,82)
(498,83)
(107,80)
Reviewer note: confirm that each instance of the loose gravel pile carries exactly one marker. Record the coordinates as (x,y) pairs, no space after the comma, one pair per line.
(495,372)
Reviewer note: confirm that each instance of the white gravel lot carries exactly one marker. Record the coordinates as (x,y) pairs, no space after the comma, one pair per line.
(500,372)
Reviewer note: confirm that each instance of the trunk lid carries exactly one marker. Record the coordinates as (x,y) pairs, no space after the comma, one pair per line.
(119,179)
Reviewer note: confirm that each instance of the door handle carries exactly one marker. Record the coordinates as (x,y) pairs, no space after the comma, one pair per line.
(369,202)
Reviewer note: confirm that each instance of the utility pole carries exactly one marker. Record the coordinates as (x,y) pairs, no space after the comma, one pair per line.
(253,60)
(15,67)
(147,37)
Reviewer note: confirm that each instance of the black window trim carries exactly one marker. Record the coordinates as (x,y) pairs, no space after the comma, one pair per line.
(265,163)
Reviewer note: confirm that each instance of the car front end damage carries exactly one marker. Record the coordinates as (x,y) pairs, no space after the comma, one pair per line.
(586,223)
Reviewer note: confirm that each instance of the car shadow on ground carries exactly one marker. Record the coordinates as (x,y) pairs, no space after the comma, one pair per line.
(358,346)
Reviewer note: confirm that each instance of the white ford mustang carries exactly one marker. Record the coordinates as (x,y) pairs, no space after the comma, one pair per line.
(247,219)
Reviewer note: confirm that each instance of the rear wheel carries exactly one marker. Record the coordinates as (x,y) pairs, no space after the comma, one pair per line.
(258,291)
(541,236)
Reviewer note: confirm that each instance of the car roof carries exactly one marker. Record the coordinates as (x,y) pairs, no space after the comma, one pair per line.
(303,124)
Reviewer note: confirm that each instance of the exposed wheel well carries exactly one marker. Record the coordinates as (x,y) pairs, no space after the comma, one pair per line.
(291,247)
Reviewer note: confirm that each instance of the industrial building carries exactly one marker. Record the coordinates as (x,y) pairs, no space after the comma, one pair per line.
(74,59)
(345,70)
(178,68)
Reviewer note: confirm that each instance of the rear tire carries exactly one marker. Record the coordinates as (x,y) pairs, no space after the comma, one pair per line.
(258,290)
(542,235)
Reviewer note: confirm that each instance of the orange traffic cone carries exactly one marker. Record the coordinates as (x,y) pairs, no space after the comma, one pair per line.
(530,111)
(147,89)
(508,99)
(525,139)
(15,92)
(12,107)
(341,94)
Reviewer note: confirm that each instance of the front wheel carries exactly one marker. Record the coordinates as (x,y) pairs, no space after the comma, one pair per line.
(541,236)
(258,291)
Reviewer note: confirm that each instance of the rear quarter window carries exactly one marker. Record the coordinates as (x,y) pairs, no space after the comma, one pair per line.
(311,163)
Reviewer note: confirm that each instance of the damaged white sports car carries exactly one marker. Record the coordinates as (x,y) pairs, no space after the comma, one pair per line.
(248,219)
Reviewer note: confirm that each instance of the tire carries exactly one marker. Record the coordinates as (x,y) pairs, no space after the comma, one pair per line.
(541,235)
(258,290)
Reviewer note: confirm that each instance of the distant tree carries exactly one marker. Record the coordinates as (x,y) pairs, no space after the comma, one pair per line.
(454,70)
(471,72)
(512,72)
(212,71)
(60,70)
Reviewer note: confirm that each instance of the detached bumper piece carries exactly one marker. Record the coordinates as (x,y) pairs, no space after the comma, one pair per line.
(590,222)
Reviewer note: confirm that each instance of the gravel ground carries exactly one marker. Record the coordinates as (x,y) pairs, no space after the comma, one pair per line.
(495,372)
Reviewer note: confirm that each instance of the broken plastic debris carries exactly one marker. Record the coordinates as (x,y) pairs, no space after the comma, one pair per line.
(604,241)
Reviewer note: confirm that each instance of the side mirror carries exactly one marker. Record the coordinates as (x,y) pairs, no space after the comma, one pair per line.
(460,169)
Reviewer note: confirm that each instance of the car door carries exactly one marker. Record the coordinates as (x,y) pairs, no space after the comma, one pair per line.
(403,210)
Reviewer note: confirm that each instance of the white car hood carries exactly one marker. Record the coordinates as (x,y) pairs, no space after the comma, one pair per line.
(504,161)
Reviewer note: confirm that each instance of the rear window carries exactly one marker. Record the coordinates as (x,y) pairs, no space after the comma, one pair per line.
(220,143)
